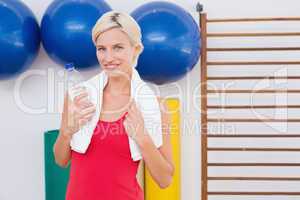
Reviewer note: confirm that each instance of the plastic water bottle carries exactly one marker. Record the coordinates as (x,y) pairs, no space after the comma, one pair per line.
(81,139)
(74,80)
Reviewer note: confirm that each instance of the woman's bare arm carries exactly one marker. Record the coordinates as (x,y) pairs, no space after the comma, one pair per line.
(159,162)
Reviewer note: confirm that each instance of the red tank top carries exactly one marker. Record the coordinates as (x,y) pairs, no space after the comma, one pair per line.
(106,171)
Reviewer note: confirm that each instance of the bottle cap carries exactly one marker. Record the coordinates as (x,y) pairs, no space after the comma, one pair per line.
(69,66)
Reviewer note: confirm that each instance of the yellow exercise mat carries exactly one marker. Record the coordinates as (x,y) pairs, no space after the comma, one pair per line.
(152,190)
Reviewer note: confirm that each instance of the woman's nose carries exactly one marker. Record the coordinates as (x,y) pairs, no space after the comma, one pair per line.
(108,57)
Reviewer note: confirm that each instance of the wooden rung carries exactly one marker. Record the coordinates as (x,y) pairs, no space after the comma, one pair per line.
(252,77)
(266,19)
(271,34)
(227,178)
(253,164)
(254,91)
(256,49)
(253,107)
(256,193)
(252,149)
(254,63)
(253,135)
(251,120)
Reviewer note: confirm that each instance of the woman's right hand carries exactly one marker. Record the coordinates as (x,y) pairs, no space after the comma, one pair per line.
(76,113)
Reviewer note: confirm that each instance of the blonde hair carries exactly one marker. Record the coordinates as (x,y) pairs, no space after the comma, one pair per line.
(123,21)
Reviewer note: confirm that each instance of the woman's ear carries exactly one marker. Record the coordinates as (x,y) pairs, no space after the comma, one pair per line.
(136,51)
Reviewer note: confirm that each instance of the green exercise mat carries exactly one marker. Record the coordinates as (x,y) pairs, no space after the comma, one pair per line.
(56,178)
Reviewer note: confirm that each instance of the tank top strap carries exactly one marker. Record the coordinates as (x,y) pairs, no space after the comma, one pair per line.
(124,115)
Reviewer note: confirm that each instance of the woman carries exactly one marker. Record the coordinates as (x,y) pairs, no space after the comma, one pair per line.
(106,171)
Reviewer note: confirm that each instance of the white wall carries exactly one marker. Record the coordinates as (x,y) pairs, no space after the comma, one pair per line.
(21,144)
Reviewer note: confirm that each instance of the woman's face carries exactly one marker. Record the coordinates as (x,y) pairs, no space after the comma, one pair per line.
(115,53)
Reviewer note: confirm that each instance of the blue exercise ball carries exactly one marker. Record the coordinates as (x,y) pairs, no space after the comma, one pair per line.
(66,31)
(171,38)
(19,38)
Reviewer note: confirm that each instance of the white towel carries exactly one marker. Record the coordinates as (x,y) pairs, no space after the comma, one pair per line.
(146,102)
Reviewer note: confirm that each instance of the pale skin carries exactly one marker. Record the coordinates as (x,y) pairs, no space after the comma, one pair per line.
(115,53)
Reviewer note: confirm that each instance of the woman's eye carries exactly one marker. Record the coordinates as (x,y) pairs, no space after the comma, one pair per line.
(100,49)
(118,47)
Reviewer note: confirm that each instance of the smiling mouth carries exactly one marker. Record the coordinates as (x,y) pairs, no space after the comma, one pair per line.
(111,67)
